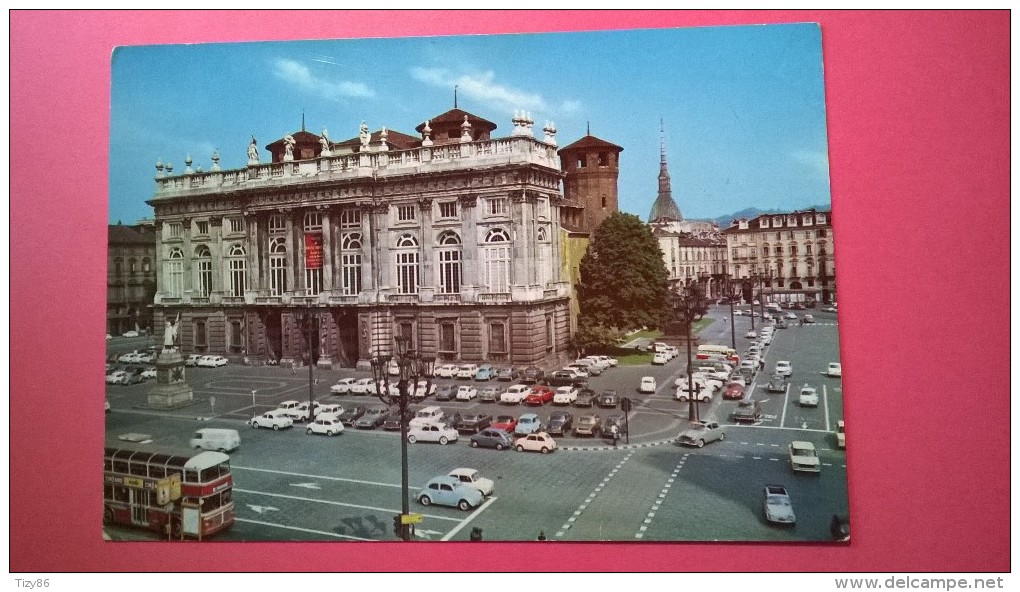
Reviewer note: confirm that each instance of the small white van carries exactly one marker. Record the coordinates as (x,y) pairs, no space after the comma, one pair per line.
(217,439)
(428,415)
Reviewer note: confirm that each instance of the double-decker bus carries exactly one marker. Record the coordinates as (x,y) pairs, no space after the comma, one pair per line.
(176,493)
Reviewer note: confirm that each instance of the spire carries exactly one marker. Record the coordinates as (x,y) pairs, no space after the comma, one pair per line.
(589,128)
(665,207)
(454,96)
(302,120)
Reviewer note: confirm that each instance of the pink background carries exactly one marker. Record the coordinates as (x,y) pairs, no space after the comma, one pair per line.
(918,110)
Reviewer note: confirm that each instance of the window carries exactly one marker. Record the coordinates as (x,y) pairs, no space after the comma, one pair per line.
(132,265)
(497,206)
(765,251)
(603,159)
(779,250)
(543,234)
(603,201)
(350,218)
(734,253)
(807,249)
(497,338)
(277,224)
(146,265)
(550,334)
(350,263)
(496,261)
(580,162)
(448,210)
(543,207)
(202,226)
(793,250)
(448,337)
(821,233)
(763,223)
(201,338)
(806,220)
(313,222)
(820,219)
(407,265)
(235,338)
(173,230)
(236,224)
(203,270)
(175,273)
(118,267)
(235,263)
(313,281)
(449,255)
(405,213)
(277,267)
(779,235)
(406,330)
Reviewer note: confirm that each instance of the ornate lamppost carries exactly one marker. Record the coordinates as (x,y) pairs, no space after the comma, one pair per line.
(305,319)
(413,367)
(733,328)
(689,304)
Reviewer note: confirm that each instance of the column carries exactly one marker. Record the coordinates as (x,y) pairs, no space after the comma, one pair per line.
(470,253)
(327,250)
(427,279)
(216,230)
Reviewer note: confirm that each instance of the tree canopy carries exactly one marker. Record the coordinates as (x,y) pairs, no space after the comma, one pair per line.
(624,284)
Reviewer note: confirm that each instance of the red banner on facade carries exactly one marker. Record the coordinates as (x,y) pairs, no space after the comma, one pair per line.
(313,251)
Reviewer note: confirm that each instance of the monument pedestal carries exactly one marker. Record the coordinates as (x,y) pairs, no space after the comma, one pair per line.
(171,390)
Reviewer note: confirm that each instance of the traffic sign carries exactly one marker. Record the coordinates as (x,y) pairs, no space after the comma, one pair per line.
(410,518)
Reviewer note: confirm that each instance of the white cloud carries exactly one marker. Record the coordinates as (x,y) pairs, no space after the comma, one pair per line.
(570,106)
(482,87)
(300,76)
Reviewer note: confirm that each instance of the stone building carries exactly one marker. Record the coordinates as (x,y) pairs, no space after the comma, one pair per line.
(788,257)
(130,277)
(450,238)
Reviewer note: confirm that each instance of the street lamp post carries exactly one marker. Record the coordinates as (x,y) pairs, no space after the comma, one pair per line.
(305,319)
(733,328)
(413,366)
(689,302)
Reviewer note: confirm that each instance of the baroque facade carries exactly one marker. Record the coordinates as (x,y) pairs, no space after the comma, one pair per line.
(130,277)
(450,238)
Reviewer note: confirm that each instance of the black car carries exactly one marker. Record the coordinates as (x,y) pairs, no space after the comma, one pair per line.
(372,418)
(351,415)
(492,438)
(748,410)
(840,528)
(532,374)
(446,392)
(391,422)
(473,423)
(563,378)
(508,374)
(609,399)
(586,398)
(559,423)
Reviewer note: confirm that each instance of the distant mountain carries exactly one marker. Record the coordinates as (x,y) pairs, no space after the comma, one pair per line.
(749,213)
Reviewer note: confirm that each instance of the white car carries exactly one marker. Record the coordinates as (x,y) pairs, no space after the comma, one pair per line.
(785,368)
(328,425)
(300,412)
(192,360)
(777,504)
(790,315)
(467,371)
(804,458)
(466,392)
(701,433)
(537,442)
(149,372)
(704,390)
(362,386)
(834,369)
(660,359)
(328,409)
(808,397)
(751,335)
(515,394)
(212,361)
(275,419)
(446,371)
(840,434)
(115,377)
(565,395)
(766,339)
(647,385)
(130,334)
(343,386)
(420,391)
(583,370)
(612,362)
(433,432)
(129,358)
(472,478)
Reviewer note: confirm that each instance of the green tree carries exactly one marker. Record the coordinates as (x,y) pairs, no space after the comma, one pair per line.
(624,284)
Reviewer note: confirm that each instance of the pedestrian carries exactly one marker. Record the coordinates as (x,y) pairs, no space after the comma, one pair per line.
(541,535)
(476,534)
(615,432)
(761,363)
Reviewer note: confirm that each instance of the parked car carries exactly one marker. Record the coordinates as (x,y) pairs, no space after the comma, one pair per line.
(473,478)
(130,334)
(790,315)
(351,414)
(533,374)
(466,392)
(132,376)
(392,421)
(734,390)
(751,335)
(428,415)
(485,372)
(701,433)
(423,390)
(507,423)
(840,434)
(433,432)
(473,422)
(446,371)
(328,425)
(834,369)
(586,369)
(129,358)
(588,425)
(212,361)
(778,506)
(446,392)
(828,309)
(449,491)
(703,391)
(300,411)
(275,419)
(586,398)
(609,361)
(809,319)
(334,409)
(608,399)
(748,410)
(363,386)
(492,438)
(538,442)
(115,377)
(467,371)
(808,397)
(659,359)
(565,395)
(804,458)
(515,394)
(563,378)
(784,367)
(539,395)
(647,385)
(508,374)
(560,423)
(527,423)
(372,418)
(342,386)
(490,394)
(777,384)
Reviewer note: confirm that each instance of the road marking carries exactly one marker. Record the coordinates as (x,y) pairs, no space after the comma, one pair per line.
(566,526)
(358,481)
(261,509)
(825,403)
(308,530)
(333,503)
(655,505)
(306,485)
(786,400)
(468,520)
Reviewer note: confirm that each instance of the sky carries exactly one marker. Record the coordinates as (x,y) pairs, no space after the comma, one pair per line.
(742,107)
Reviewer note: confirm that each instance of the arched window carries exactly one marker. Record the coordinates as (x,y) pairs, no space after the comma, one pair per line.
(407,264)
(236,265)
(277,267)
(118,267)
(175,273)
(496,260)
(203,271)
(449,256)
(350,262)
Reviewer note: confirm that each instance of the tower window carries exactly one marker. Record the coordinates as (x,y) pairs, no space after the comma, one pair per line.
(603,201)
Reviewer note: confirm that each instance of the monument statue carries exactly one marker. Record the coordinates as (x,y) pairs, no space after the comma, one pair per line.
(253,152)
(170,333)
(365,136)
(288,153)
(324,140)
